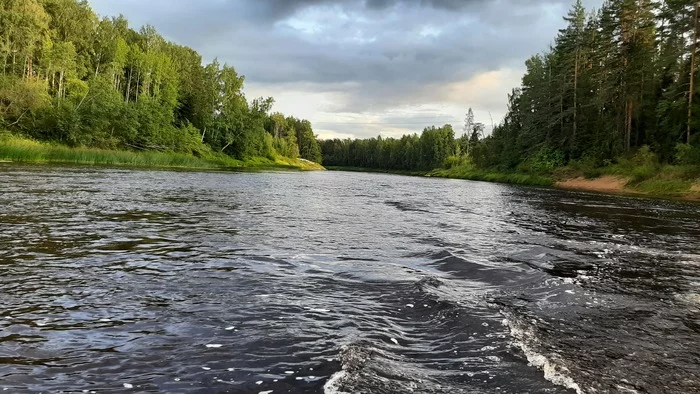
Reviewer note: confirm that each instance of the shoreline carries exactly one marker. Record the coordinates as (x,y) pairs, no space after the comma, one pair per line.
(25,151)
(614,185)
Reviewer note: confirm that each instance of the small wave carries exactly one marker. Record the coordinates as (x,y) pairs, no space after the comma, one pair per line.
(525,338)
(365,366)
(405,207)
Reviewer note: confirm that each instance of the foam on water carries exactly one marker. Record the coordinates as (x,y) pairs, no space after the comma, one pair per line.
(526,340)
(332,386)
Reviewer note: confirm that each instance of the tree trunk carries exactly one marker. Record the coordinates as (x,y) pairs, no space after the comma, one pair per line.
(561,110)
(97,68)
(691,91)
(629,106)
(575,126)
(128,84)
(60,85)
(138,82)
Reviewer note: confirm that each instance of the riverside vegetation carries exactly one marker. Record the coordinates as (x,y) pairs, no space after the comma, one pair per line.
(75,88)
(614,96)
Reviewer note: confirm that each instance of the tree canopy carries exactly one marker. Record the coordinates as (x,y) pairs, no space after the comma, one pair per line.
(72,77)
(614,80)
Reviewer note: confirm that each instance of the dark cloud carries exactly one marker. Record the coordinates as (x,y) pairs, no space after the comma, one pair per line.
(279,9)
(372,54)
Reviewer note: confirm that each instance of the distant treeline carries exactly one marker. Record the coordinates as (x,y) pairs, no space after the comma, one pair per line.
(615,80)
(410,152)
(70,77)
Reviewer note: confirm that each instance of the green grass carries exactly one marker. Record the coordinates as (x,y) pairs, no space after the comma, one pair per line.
(23,150)
(377,170)
(665,180)
(464,171)
(648,177)
(652,180)
(467,171)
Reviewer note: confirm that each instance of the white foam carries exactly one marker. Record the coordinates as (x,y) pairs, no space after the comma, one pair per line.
(259,382)
(206,368)
(331,386)
(410,305)
(230,328)
(230,369)
(289,372)
(214,345)
(317,310)
(266,392)
(128,386)
(554,372)
(394,340)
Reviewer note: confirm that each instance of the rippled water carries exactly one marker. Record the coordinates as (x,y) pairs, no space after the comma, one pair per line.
(148,281)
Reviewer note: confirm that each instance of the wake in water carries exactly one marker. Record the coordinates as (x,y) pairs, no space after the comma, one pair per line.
(333,283)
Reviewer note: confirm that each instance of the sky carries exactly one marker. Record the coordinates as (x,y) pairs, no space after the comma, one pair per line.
(362,68)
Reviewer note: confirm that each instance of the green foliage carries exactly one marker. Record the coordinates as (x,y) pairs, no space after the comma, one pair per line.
(687,154)
(409,153)
(610,96)
(457,161)
(71,78)
(543,162)
(638,167)
(19,149)
(468,171)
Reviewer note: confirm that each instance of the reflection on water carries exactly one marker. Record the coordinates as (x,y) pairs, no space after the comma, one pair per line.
(116,280)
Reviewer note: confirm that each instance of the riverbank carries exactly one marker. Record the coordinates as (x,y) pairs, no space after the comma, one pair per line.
(23,150)
(670,182)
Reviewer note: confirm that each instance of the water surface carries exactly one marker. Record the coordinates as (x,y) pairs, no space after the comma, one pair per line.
(150,281)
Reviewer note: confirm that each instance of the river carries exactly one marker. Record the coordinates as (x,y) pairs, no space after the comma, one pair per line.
(332,282)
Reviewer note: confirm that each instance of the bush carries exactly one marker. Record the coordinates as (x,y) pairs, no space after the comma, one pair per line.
(543,162)
(687,155)
(457,161)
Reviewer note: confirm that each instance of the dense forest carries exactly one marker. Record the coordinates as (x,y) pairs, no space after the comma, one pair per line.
(616,82)
(73,78)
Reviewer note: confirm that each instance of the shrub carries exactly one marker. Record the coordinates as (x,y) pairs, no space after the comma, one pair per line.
(544,161)
(687,155)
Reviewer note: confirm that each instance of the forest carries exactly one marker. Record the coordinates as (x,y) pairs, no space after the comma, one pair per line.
(617,84)
(72,78)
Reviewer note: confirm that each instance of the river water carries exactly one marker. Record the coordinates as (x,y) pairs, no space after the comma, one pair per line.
(333,282)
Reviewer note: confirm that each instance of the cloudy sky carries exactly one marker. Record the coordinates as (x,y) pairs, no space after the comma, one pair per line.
(359,68)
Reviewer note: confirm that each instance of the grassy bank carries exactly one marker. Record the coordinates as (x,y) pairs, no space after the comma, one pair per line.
(461,172)
(376,170)
(22,150)
(650,180)
(473,174)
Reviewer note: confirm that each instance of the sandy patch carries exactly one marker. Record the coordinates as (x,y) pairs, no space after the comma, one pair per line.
(695,188)
(605,184)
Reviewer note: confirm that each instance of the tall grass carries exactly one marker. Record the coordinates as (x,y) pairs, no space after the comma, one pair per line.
(22,150)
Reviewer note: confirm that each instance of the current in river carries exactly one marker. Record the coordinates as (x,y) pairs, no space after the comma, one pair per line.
(337,282)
